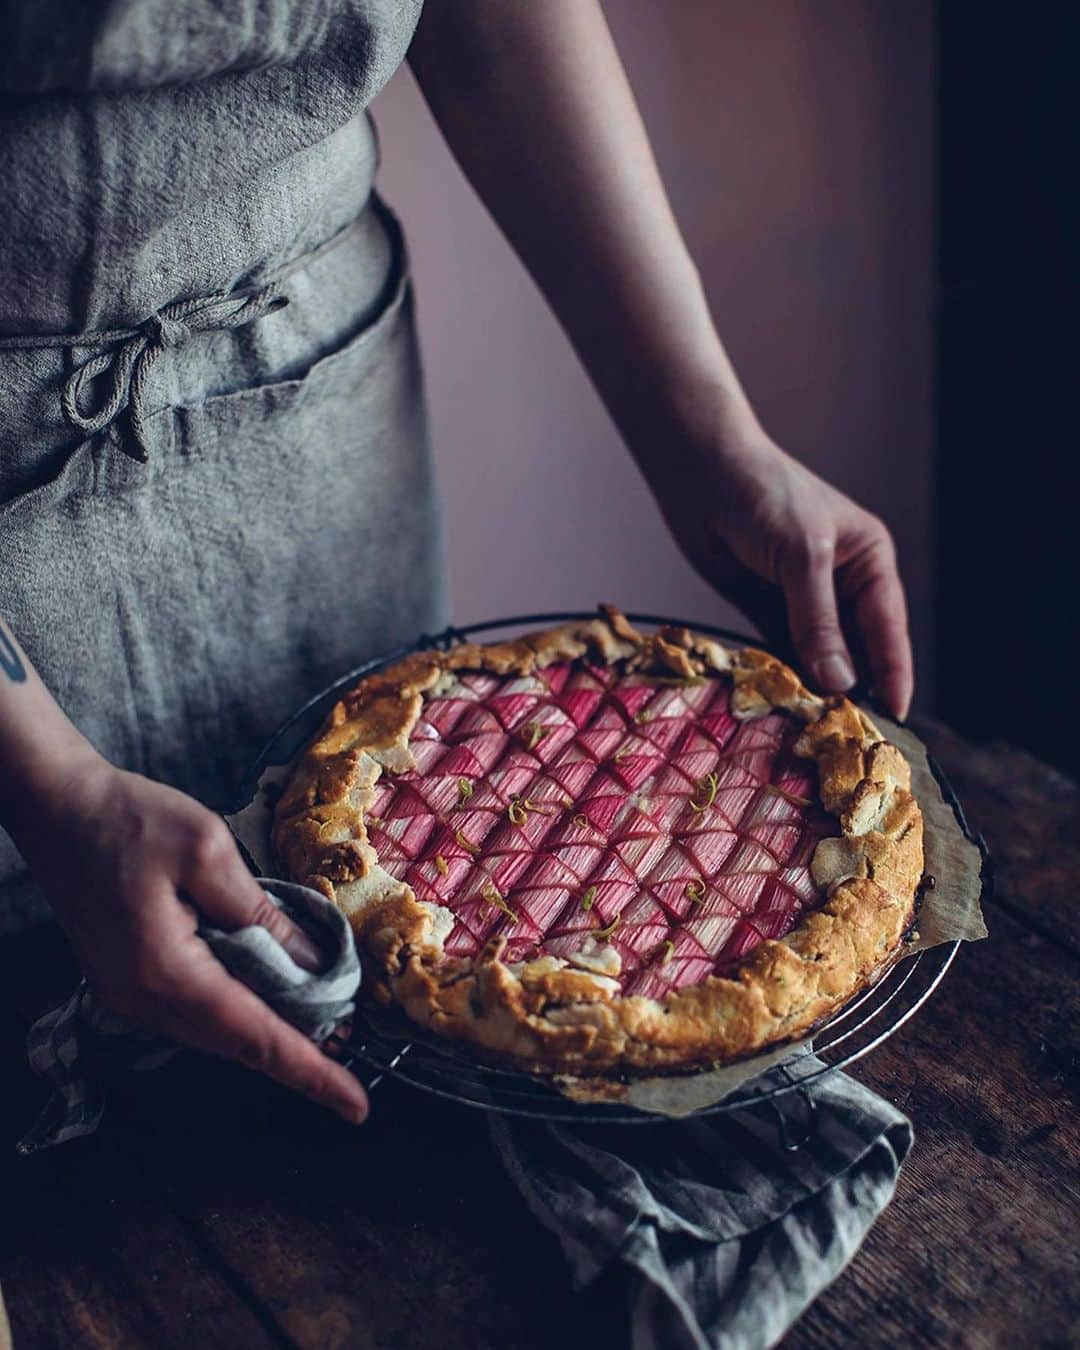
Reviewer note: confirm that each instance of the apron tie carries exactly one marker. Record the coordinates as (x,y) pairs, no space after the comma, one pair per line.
(128,356)
(131,354)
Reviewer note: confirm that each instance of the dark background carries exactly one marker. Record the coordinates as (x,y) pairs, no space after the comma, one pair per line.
(1008,374)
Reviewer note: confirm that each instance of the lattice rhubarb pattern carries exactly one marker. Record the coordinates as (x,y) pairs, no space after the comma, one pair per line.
(580,802)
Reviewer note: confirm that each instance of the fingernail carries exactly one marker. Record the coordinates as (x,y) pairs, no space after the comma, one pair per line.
(835,672)
(304,951)
(356,1113)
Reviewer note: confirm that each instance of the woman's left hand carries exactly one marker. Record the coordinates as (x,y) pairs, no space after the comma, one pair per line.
(796,555)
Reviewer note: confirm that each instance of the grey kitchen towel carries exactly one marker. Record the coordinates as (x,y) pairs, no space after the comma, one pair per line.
(728,1226)
(79,1044)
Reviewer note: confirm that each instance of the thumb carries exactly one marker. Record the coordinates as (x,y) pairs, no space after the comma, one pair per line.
(222,888)
(810,592)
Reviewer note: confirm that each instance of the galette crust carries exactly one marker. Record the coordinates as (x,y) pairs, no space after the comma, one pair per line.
(548,1016)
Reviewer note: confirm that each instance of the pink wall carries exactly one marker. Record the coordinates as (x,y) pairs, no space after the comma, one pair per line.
(796,141)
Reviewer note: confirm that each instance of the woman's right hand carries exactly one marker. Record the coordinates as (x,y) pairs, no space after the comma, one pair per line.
(129,866)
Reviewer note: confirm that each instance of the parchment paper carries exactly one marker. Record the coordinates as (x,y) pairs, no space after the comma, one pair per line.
(949,911)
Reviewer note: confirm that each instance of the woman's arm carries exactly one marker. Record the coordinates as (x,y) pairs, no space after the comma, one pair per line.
(128,865)
(534,102)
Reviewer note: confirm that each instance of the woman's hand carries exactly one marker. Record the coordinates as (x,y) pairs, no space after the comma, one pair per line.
(798,557)
(128,865)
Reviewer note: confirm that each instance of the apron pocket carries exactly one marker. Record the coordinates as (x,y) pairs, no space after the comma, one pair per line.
(279,535)
(66,492)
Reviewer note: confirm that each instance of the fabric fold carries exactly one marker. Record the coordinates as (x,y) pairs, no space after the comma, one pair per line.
(726,1233)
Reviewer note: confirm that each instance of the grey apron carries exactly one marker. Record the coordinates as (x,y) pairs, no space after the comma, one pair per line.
(216,490)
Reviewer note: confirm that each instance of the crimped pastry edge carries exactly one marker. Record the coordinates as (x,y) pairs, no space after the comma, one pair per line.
(552,1018)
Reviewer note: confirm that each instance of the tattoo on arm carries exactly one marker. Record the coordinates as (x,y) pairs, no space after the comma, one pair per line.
(11,663)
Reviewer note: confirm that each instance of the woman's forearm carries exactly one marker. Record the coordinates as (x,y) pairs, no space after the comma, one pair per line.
(534,103)
(533,100)
(39,747)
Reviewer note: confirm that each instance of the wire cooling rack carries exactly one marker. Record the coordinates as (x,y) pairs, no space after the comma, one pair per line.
(380,1046)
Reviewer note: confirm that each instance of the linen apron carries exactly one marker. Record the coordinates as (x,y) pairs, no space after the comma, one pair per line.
(216,491)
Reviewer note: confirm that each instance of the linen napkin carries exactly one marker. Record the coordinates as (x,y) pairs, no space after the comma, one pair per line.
(728,1226)
(79,1044)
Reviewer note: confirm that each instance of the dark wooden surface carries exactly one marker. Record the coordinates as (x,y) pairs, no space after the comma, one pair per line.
(214,1211)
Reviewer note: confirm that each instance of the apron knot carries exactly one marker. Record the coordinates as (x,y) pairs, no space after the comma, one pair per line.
(129,355)
(165,332)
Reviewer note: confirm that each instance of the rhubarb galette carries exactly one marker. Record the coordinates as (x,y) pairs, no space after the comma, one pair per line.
(598,850)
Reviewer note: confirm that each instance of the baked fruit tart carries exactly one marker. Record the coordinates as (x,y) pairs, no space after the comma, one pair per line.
(599,850)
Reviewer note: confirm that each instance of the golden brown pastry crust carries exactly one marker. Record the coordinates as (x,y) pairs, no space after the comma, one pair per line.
(543,1015)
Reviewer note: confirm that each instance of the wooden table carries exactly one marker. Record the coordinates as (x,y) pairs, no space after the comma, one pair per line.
(214,1210)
